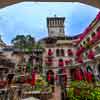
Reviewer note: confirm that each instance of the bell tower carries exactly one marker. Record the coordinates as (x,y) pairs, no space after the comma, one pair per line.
(55,26)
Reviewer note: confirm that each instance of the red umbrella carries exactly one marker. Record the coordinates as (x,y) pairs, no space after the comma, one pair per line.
(78,74)
(89,76)
(33,78)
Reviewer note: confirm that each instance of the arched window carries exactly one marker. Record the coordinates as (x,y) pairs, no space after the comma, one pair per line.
(60,62)
(62,52)
(57,52)
(93,34)
(98,29)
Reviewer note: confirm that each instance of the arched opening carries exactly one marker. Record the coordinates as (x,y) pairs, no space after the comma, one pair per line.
(94,3)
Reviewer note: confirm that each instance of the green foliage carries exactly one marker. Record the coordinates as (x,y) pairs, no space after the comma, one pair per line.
(24,43)
(86,91)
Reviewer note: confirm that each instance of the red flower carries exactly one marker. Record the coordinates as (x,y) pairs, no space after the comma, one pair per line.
(94,39)
(98,35)
(50,52)
(61,63)
(91,54)
(80,50)
(49,61)
(67,61)
(70,52)
(79,59)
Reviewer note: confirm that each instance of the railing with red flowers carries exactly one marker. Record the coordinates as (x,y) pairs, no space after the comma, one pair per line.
(70,52)
(49,62)
(68,61)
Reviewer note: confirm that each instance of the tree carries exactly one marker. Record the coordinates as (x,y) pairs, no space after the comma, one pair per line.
(23,42)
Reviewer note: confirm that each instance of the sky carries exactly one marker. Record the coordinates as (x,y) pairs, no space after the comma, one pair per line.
(30,18)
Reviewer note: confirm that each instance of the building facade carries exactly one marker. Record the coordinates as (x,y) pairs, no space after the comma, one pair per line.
(73,53)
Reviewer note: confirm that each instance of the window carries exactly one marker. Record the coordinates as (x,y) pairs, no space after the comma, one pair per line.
(60,60)
(93,34)
(57,52)
(60,30)
(88,39)
(62,52)
(80,45)
(98,29)
(84,42)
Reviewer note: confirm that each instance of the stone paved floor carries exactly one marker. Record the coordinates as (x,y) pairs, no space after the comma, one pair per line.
(56,94)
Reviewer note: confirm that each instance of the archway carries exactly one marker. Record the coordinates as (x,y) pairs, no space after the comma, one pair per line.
(94,3)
